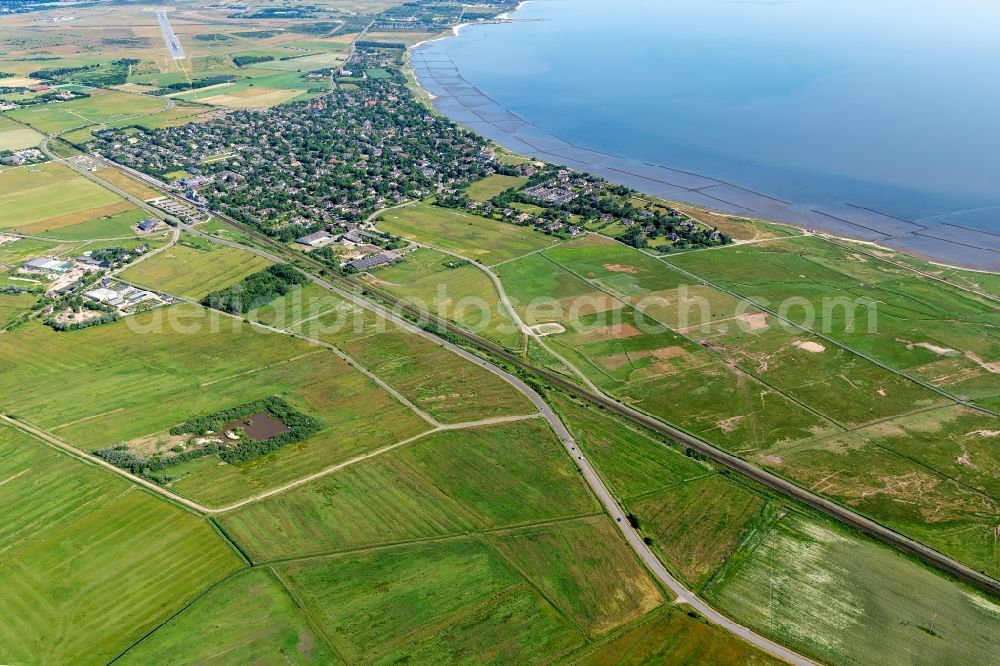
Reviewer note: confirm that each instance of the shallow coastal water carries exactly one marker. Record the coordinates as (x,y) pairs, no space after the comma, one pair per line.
(871,120)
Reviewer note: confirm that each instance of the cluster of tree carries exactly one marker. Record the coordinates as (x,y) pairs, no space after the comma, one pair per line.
(111,255)
(255,290)
(372,44)
(63,326)
(6,75)
(44,98)
(197,83)
(124,458)
(213,37)
(51,73)
(244,60)
(299,427)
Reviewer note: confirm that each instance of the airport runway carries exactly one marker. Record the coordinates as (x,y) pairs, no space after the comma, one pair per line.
(173,44)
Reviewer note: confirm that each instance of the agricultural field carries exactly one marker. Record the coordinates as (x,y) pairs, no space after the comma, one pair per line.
(14,136)
(935,331)
(297,308)
(429,488)
(28,204)
(694,517)
(697,525)
(116,226)
(654,368)
(845,600)
(809,394)
(485,241)
(188,364)
(672,636)
(437,380)
(13,306)
(249,618)
(489,187)
(585,568)
(452,289)
(195,267)
(128,557)
(923,503)
(102,107)
(432,603)
(127,184)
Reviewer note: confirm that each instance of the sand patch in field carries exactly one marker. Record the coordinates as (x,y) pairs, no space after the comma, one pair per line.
(548,328)
(754,320)
(809,346)
(619,268)
(586,304)
(610,332)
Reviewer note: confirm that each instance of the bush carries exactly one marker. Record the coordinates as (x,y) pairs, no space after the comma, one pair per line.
(255,290)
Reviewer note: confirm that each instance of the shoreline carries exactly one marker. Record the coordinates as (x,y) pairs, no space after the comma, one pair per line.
(869,227)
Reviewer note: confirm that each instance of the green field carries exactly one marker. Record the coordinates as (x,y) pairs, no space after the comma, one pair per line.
(932,330)
(13,306)
(437,283)
(164,367)
(447,602)
(118,225)
(673,638)
(14,136)
(697,525)
(898,492)
(249,618)
(432,487)
(694,517)
(195,270)
(435,379)
(636,359)
(586,569)
(846,601)
(489,187)
(50,196)
(103,106)
(88,562)
(486,241)
(299,307)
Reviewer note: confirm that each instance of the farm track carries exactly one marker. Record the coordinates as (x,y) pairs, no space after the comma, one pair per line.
(594,481)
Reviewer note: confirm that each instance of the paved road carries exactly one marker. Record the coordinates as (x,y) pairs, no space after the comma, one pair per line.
(173,44)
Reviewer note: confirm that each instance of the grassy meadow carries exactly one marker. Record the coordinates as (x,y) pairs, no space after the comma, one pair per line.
(485,241)
(194,268)
(88,562)
(249,618)
(184,363)
(933,330)
(489,187)
(429,488)
(845,600)
(440,284)
(14,136)
(28,204)
(432,603)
